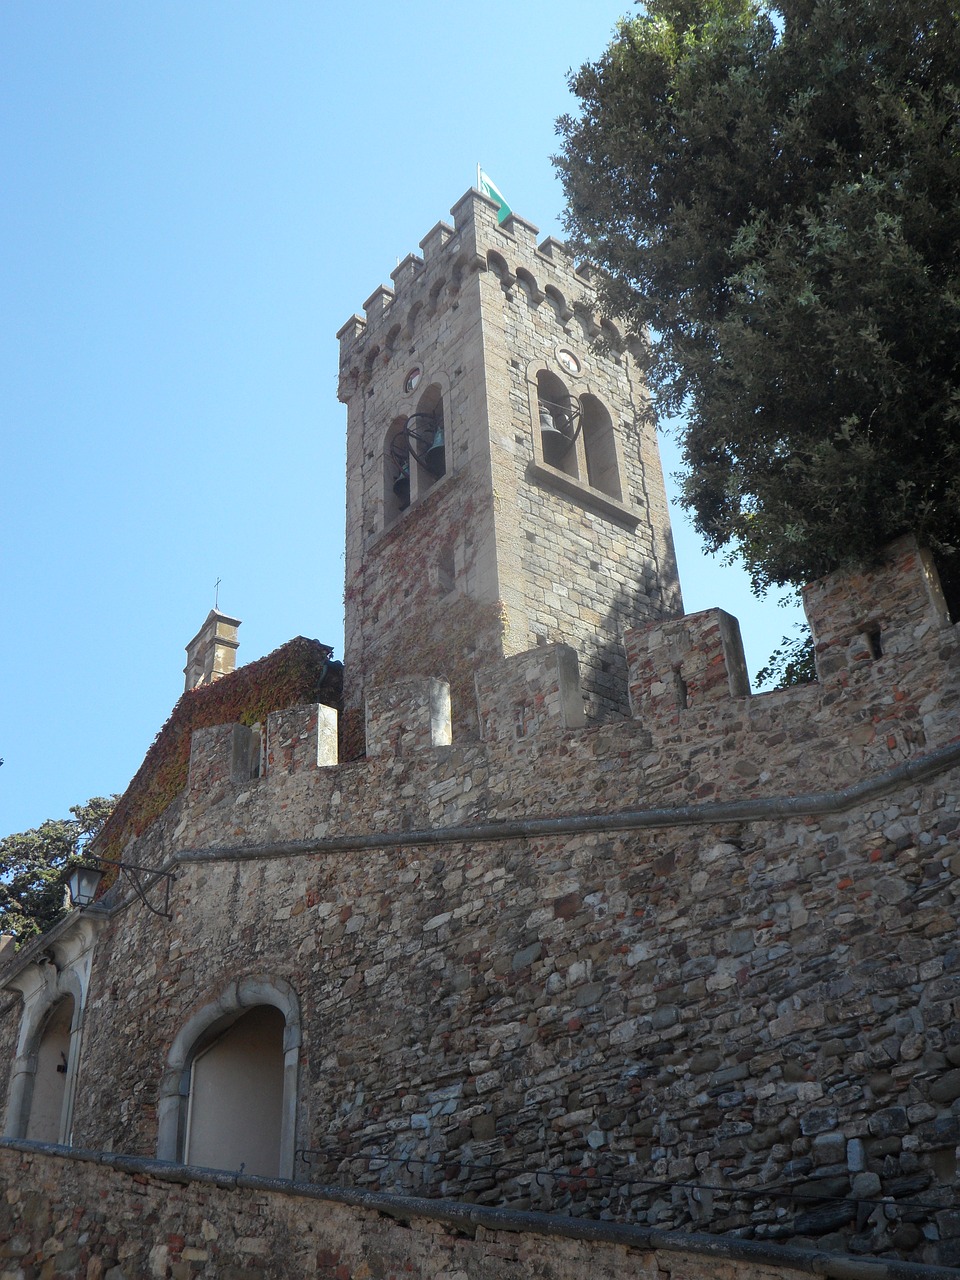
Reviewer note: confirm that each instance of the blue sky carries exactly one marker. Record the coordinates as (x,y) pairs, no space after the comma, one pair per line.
(196,197)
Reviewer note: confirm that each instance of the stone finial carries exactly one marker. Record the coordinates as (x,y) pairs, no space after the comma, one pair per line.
(212,652)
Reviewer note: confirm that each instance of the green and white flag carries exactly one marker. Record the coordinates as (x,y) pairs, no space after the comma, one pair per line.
(491,189)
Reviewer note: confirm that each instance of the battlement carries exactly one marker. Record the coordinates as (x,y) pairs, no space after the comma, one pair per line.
(889,689)
(476,242)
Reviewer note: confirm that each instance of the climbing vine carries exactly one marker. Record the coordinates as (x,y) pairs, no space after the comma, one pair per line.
(299,671)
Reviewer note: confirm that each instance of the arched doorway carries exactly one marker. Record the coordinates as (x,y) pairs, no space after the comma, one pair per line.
(235,1102)
(47,1119)
(228,1096)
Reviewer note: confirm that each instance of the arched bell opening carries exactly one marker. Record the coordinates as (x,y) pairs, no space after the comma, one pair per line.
(396,472)
(558,423)
(427,439)
(599,447)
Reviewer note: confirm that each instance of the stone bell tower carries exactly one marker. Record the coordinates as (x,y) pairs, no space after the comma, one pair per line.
(504,487)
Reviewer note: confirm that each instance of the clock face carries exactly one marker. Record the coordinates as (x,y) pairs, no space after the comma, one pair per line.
(412,379)
(568,360)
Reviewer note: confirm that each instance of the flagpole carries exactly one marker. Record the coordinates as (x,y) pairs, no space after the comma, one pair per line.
(479,188)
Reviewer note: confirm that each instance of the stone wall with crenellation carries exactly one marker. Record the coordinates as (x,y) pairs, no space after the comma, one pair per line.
(696,970)
(504,550)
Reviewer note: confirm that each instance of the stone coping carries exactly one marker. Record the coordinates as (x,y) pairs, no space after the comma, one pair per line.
(470,1216)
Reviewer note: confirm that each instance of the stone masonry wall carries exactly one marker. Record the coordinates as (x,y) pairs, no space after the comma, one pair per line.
(75,1219)
(577,567)
(699,969)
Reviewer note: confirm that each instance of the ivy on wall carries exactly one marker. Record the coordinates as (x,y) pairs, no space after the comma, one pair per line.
(300,671)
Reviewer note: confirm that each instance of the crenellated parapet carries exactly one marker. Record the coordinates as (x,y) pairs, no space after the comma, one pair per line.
(694,728)
(895,609)
(545,271)
(685,663)
(712,942)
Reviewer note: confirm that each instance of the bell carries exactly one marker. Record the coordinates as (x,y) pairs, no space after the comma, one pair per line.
(435,459)
(401,487)
(555,442)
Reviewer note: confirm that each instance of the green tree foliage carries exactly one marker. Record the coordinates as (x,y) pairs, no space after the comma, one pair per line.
(792,662)
(772,192)
(32,864)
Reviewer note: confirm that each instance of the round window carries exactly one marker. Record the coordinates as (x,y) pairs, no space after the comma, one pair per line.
(412,379)
(567,360)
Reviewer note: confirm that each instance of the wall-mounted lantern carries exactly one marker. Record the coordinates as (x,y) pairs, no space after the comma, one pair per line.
(83,881)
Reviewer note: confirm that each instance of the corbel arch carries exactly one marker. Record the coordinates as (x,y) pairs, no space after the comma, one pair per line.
(436,294)
(211,1026)
(559,303)
(497,265)
(528,282)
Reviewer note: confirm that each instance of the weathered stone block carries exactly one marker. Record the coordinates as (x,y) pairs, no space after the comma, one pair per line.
(892,609)
(301,738)
(530,693)
(408,716)
(685,663)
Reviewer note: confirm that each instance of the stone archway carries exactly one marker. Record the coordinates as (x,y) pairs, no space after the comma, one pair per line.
(243,1044)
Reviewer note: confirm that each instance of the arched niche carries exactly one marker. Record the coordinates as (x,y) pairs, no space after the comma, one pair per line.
(241,1046)
(45,1121)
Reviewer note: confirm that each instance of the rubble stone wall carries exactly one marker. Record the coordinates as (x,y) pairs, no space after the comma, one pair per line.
(83,1219)
(695,970)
